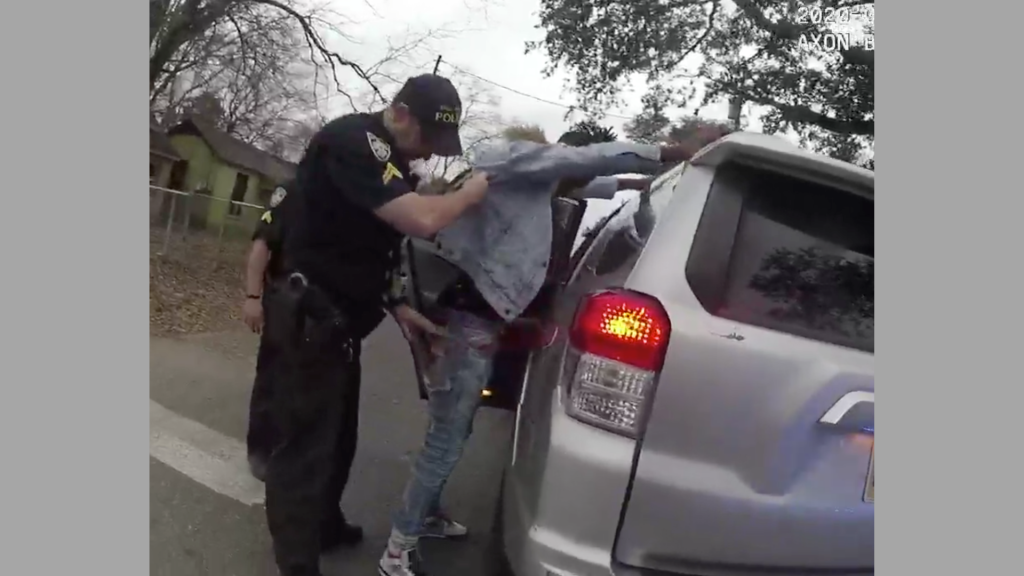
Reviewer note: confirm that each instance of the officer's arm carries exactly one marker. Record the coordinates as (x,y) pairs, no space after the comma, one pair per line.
(378,185)
(267,234)
(424,216)
(256,267)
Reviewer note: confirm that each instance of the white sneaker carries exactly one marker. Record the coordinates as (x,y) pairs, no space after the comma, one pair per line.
(443,527)
(407,563)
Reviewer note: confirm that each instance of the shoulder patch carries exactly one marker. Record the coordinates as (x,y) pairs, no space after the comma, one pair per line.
(380,148)
(267,217)
(277,196)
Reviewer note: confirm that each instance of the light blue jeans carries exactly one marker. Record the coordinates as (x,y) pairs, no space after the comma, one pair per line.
(454,389)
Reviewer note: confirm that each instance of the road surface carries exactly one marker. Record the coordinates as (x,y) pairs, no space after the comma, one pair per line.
(206,513)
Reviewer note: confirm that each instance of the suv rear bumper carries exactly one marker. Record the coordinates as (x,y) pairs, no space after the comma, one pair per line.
(563,497)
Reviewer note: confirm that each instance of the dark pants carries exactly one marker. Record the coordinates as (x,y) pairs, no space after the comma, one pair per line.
(262,437)
(316,412)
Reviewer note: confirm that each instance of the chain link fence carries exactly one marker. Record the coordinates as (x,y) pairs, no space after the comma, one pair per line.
(198,246)
(193,224)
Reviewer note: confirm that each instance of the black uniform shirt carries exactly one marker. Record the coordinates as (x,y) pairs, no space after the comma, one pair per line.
(351,167)
(271,229)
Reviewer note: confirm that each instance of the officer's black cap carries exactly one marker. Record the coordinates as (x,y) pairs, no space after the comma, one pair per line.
(435,102)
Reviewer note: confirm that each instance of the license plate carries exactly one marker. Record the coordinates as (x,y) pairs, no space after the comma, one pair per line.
(869,485)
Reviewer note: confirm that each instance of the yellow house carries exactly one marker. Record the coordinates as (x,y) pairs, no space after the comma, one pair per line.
(222,170)
(162,156)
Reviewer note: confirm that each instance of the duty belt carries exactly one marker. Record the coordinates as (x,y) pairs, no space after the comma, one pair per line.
(307,314)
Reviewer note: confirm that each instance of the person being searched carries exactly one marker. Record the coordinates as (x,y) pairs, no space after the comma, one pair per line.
(503,252)
(353,204)
(262,267)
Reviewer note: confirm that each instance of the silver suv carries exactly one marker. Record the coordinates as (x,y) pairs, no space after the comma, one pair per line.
(702,401)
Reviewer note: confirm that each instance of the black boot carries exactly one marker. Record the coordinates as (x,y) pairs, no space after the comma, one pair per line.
(258,466)
(342,534)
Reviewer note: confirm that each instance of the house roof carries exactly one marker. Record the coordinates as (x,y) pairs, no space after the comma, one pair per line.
(233,151)
(159,143)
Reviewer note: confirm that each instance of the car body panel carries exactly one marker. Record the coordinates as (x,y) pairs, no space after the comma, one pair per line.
(735,473)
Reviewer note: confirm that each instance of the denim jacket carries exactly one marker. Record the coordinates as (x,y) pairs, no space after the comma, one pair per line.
(503,244)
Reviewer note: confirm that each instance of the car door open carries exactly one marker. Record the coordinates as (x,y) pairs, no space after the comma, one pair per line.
(427,274)
(530,331)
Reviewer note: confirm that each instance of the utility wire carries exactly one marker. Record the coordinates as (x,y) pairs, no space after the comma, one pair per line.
(520,92)
(459,69)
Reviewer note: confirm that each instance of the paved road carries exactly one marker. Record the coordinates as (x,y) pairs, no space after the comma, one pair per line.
(206,515)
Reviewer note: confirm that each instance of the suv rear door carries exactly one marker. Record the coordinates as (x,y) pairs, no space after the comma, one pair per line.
(757,456)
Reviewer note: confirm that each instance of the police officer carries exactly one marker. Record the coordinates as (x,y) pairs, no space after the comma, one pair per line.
(353,203)
(263,265)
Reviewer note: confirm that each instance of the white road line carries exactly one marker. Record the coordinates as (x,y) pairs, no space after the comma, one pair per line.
(204,455)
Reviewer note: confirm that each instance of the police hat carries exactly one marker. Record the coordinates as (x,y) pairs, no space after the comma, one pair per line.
(435,102)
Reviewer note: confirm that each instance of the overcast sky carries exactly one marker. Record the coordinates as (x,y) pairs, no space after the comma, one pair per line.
(488,39)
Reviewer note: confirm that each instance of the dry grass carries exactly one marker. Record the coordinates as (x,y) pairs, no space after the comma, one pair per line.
(197,286)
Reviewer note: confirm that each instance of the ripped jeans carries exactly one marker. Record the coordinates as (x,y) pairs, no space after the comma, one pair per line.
(454,388)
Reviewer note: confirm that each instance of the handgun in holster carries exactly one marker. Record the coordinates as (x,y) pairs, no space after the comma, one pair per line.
(301,313)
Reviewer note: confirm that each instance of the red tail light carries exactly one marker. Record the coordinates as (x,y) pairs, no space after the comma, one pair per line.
(624,326)
(620,339)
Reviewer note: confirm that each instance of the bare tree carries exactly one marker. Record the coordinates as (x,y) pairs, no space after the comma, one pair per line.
(183,31)
(292,137)
(254,74)
(187,35)
(251,88)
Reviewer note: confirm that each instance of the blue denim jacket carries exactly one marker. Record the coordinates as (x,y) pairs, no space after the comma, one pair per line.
(503,244)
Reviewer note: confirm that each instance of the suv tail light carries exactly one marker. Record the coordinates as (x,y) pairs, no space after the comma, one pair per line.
(620,338)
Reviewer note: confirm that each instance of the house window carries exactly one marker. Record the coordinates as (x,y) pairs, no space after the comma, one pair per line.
(178,172)
(238,194)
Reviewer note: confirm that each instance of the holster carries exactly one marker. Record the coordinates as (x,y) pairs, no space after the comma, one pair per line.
(298,313)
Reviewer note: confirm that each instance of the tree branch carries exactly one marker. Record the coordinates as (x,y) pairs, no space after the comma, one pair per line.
(783,29)
(330,55)
(803,114)
(707,32)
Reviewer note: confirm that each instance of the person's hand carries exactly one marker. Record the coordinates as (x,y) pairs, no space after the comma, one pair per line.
(252,314)
(412,322)
(684,150)
(476,186)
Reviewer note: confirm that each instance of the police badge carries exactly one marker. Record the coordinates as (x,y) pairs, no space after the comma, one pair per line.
(380,148)
(277,196)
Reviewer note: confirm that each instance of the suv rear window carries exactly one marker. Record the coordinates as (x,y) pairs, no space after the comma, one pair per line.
(787,254)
